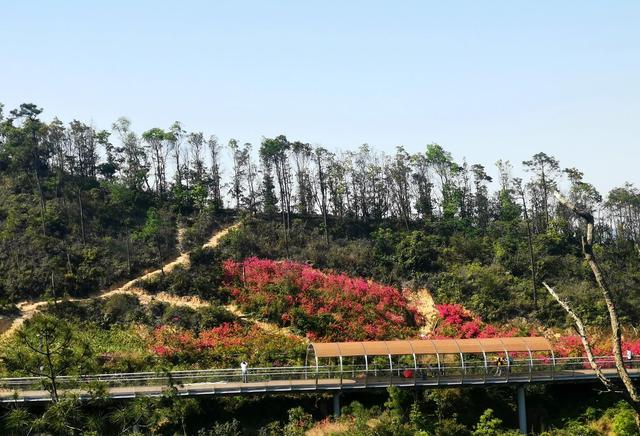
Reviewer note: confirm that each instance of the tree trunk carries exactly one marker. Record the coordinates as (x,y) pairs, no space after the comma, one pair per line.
(82,234)
(41,198)
(587,248)
(160,259)
(323,198)
(531,258)
(582,332)
(128,250)
(52,375)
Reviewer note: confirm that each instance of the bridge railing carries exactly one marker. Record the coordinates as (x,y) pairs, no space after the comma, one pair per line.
(517,370)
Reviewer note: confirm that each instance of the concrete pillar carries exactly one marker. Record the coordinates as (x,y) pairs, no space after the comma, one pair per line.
(522,410)
(336,405)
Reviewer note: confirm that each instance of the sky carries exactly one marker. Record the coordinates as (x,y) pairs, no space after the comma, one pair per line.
(486,80)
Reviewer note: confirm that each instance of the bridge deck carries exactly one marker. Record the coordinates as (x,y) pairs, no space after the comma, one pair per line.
(231,387)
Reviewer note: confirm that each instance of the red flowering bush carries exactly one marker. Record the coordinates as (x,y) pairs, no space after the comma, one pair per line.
(453,313)
(571,346)
(454,321)
(321,305)
(225,346)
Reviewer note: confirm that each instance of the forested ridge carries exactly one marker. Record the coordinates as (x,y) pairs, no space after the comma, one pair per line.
(83,208)
(325,235)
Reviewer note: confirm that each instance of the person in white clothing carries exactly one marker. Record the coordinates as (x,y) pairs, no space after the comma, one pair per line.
(244,367)
(629,357)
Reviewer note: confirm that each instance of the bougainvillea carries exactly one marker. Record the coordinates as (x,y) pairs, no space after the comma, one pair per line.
(571,346)
(225,346)
(454,321)
(321,305)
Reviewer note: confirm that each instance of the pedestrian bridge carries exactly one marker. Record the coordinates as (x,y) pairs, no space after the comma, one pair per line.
(349,366)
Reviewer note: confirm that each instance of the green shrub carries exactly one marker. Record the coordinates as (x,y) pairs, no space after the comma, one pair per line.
(624,423)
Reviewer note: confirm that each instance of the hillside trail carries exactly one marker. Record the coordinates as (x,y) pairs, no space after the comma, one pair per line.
(29,308)
(424,304)
(264,325)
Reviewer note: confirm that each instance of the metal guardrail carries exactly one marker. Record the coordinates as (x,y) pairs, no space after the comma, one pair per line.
(338,377)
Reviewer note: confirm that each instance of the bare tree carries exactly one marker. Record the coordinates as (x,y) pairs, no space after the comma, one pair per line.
(521,192)
(630,393)
(216,173)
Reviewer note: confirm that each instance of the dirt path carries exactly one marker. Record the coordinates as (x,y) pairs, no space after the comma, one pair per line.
(423,302)
(267,326)
(30,308)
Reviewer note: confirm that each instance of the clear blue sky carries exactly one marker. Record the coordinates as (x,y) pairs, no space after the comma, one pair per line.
(485,79)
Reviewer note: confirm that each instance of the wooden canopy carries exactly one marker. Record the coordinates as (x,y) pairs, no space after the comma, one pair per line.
(429,347)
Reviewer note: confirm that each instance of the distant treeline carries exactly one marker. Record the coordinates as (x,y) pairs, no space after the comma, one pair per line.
(81,208)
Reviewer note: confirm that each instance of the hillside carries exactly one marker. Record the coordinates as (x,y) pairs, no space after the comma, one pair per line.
(131,257)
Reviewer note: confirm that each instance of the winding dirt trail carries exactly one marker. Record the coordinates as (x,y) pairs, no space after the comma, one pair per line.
(29,308)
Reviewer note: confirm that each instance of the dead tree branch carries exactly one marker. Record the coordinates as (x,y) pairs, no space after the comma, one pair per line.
(582,332)
(616,339)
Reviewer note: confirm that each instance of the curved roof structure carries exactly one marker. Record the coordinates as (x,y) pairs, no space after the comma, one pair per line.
(422,347)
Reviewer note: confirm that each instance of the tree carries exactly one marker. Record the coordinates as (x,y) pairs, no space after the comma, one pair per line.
(532,264)
(398,176)
(276,152)
(135,168)
(302,155)
(47,348)
(321,155)
(631,392)
(111,166)
(158,232)
(545,168)
(269,199)
(337,186)
(584,195)
(299,422)
(239,158)
(423,184)
(623,207)
(251,199)
(160,144)
(175,135)
(196,144)
(29,153)
(508,210)
(481,196)
(489,425)
(445,168)
(197,179)
(82,158)
(214,151)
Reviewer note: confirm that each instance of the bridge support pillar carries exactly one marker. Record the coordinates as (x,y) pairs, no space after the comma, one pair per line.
(522,410)
(336,405)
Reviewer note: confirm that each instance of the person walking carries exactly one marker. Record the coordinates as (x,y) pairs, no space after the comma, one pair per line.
(244,368)
(630,358)
(499,363)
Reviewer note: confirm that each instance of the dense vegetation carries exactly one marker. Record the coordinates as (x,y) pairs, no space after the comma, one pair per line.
(331,247)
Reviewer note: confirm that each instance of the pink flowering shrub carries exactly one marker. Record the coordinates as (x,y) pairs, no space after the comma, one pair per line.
(454,321)
(226,345)
(571,346)
(322,305)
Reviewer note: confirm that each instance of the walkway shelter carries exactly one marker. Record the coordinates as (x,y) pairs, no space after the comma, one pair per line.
(430,360)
